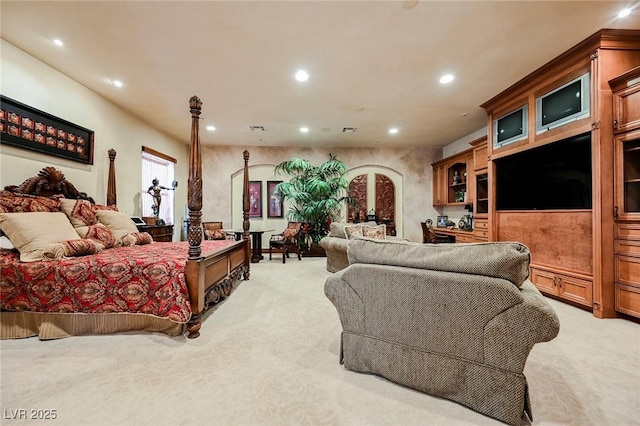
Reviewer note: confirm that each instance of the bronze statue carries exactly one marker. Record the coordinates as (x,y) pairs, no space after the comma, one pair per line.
(154,190)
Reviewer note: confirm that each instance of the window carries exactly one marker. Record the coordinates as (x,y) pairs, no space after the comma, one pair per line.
(156,165)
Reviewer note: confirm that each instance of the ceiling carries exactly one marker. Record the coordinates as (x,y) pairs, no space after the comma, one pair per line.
(373,65)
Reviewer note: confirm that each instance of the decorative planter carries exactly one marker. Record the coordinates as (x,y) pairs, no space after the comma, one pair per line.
(315,250)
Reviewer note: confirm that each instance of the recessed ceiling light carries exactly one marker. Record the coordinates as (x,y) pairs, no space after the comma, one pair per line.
(116,83)
(304,129)
(447,78)
(211,128)
(58,42)
(624,13)
(302,75)
(393,131)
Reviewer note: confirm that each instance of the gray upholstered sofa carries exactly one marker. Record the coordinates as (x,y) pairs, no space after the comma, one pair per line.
(453,320)
(335,245)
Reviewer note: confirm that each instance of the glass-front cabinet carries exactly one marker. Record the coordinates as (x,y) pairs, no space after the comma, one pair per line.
(627,176)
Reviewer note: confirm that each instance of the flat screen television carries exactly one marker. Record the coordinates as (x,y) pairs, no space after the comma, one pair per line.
(555,176)
(568,102)
(510,127)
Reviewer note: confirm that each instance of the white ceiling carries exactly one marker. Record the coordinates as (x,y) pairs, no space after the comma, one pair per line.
(373,64)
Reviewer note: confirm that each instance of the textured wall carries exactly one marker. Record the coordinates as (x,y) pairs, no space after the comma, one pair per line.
(414,164)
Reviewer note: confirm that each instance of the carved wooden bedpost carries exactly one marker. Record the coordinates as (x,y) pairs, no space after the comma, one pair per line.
(111,183)
(194,195)
(245,211)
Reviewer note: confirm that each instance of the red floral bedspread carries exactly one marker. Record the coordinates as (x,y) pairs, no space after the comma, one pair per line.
(146,279)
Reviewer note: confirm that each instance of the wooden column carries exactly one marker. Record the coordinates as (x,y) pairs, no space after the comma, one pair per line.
(111,183)
(194,194)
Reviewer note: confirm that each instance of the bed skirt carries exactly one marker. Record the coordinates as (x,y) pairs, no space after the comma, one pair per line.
(16,325)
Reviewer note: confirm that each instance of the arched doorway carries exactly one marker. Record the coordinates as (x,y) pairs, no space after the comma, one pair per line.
(379,189)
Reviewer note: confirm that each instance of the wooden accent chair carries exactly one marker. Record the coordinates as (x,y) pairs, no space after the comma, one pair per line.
(428,236)
(214,231)
(288,240)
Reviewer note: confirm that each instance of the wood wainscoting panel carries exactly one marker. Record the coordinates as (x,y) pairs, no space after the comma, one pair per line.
(559,238)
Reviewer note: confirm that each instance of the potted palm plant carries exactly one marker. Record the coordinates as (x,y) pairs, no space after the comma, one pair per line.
(316,194)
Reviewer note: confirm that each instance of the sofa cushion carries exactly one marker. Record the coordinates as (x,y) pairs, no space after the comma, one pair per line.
(506,260)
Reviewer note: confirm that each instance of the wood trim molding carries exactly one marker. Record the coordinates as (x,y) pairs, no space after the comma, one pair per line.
(159,154)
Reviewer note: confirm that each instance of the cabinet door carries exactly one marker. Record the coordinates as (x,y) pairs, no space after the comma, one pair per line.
(470,179)
(439,185)
(575,289)
(545,281)
(480,157)
(626,109)
(627,176)
(482,194)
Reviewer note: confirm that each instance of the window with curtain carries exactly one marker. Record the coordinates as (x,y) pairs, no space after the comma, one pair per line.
(156,165)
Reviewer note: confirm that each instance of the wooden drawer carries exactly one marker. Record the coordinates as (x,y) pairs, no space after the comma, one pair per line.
(627,270)
(627,231)
(160,233)
(628,300)
(464,238)
(627,248)
(481,224)
(481,234)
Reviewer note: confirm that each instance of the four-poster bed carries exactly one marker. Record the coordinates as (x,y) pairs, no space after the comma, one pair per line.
(163,287)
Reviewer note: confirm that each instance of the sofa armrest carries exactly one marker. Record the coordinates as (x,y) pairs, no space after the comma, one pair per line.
(347,301)
(509,337)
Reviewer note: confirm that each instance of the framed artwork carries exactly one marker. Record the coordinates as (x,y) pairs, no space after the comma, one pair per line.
(442,221)
(35,130)
(275,209)
(255,198)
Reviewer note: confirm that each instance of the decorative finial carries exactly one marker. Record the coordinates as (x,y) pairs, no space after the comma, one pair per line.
(195,104)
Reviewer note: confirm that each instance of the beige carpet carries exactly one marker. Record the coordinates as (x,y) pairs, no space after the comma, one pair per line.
(269,356)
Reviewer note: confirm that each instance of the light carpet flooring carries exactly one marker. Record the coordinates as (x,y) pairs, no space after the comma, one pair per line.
(269,356)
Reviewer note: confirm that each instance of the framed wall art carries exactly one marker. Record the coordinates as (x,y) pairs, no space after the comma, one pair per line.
(275,200)
(255,198)
(25,127)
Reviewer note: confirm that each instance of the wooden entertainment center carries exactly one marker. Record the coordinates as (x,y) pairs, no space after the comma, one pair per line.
(587,255)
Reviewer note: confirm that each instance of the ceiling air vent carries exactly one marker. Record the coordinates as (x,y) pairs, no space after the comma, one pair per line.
(257,128)
(349,130)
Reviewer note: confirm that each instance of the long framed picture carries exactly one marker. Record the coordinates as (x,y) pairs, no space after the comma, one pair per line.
(29,128)
(275,200)
(255,198)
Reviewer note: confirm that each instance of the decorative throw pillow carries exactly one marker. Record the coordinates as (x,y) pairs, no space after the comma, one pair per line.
(215,234)
(378,232)
(103,207)
(31,232)
(353,231)
(119,223)
(10,202)
(136,238)
(80,247)
(80,212)
(290,233)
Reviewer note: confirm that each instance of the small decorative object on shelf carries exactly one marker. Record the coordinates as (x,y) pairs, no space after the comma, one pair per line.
(460,196)
(456,178)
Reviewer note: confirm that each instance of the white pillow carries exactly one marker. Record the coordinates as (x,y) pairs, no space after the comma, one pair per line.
(6,243)
(31,232)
